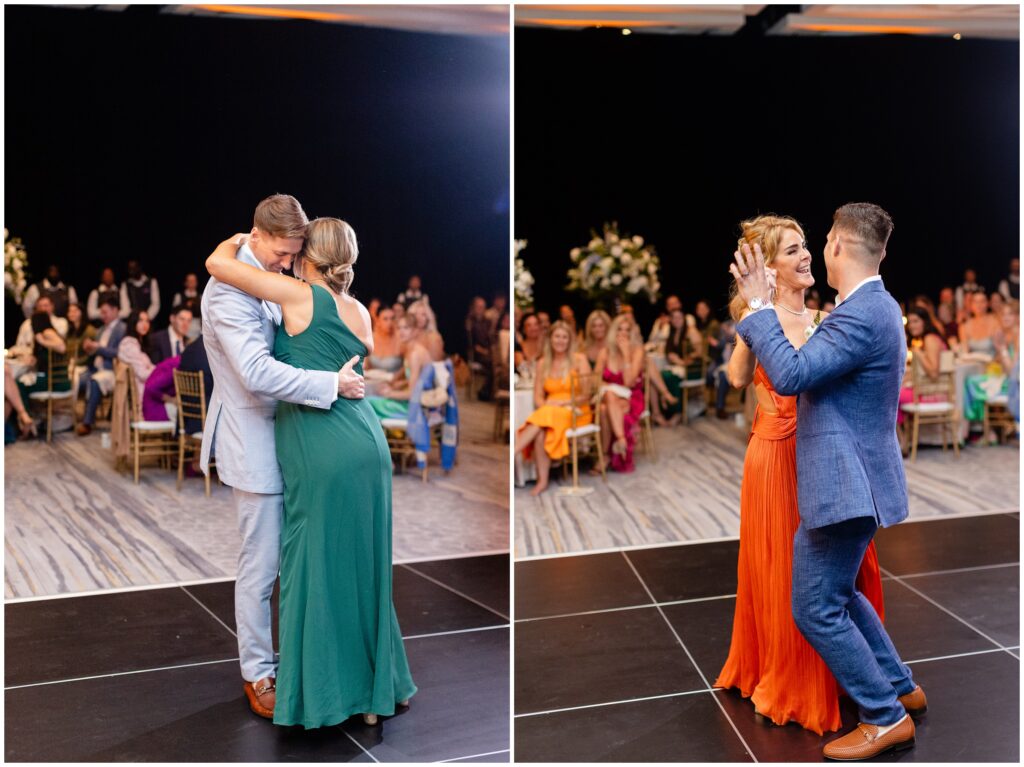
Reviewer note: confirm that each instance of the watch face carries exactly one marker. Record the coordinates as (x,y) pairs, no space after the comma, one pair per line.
(755,304)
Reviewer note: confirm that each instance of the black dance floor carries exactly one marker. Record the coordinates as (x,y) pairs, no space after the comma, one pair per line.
(615,652)
(153,676)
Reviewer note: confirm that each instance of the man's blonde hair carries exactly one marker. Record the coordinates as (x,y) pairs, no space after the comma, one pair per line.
(280,215)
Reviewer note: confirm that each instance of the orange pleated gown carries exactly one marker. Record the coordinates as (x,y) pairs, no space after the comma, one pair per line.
(769,659)
(556,420)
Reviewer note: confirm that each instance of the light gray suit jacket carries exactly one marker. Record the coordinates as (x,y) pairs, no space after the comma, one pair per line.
(238,331)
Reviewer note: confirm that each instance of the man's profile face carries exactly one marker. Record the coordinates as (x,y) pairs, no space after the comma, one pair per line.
(44,304)
(181,322)
(108,313)
(275,253)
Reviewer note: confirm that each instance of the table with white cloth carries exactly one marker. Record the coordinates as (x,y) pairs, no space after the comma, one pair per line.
(522,407)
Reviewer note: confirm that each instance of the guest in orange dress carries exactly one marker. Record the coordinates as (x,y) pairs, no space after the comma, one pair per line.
(769,660)
(544,433)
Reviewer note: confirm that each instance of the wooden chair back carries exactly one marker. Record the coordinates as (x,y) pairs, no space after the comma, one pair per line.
(943,384)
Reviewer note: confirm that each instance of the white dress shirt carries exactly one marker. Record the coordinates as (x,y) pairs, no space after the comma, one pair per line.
(858,286)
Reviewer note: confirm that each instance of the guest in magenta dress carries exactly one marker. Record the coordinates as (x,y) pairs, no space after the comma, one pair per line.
(160,390)
(925,340)
(622,396)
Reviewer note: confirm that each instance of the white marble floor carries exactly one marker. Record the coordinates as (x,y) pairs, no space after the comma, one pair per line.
(692,493)
(72,523)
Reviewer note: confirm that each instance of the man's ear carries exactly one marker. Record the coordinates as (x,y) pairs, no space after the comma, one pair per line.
(254,234)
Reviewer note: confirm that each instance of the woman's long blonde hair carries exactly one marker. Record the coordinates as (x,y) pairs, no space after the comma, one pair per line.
(548,354)
(765,231)
(332,248)
(588,328)
(613,331)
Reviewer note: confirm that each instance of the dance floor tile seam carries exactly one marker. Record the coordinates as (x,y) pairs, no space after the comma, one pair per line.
(953,624)
(455,591)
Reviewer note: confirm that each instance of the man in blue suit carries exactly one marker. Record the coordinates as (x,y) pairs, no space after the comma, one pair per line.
(850,477)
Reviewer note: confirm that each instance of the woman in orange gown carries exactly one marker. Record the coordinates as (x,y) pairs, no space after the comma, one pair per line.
(544,433)
(769,660)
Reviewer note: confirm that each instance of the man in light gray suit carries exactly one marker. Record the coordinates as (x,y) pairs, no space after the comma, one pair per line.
(850,477)
(239,334)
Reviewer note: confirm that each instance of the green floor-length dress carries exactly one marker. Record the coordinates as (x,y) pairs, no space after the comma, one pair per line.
(341,648)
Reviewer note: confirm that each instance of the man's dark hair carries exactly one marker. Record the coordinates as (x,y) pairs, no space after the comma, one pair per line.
(867,222)
(109,301)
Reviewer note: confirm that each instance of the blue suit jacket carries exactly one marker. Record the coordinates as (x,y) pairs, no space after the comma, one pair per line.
(848,376)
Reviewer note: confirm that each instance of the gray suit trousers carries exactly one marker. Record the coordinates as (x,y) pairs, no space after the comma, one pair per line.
(259,522)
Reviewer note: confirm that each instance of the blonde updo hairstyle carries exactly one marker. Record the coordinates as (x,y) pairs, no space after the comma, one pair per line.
(767,232)
(331,247)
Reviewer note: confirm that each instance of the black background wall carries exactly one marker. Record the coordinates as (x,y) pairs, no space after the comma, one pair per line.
(149,135)
(680,138)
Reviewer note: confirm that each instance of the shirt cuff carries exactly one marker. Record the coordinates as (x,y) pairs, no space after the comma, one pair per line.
(337,383)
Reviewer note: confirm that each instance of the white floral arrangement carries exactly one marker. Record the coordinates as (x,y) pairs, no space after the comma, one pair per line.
(523,280)
(15,266)
(615,266)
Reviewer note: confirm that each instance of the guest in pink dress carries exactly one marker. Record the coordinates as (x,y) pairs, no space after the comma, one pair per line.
(925,341)
(622,397)
(159,390)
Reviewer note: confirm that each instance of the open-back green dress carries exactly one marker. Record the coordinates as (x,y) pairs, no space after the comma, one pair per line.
(341,648)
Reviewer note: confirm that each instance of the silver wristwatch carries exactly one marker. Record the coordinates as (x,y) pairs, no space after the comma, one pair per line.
(756,304)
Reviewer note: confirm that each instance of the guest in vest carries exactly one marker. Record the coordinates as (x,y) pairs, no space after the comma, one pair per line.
(139,292)
(51,286)
(194,359)
(1010,287)
(412,293)
(192,297)
(106,289)
(171,341)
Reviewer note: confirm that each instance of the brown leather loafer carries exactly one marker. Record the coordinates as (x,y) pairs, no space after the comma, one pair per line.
(262,696)
(915,702)
(83,429)
(866,742)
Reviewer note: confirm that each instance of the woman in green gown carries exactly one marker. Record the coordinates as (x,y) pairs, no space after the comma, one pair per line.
(340,645)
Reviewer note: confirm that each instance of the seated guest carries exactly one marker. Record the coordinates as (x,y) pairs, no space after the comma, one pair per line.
(498,308)
(545,323)
(684,349)
(412,293)
(502,343)
(660,330)
(45,340)
(622,363)
(946,314)
(925,342)
(595,335)
(106,289)
(1009,355)
(399,310)
(727,343)
(963,293)
(79,329)
(425,328)
(1009,287)
(393,401)
(544,432)
(708,328)
(135,348)
(996,303)
(139,292)
(14,404)
(946,296)
(172,340)
(99,379)
(479,331)
(159,391)
(568,316)
(53,287)
(193,360)
(26,340)
(531,345)
(387,346)
(191,297)
(926,303)
(978,334)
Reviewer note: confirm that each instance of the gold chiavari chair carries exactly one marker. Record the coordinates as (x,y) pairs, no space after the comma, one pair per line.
(944,413)
(190,393)
(149,439)
(646,430)
(583,390)
(59,371)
